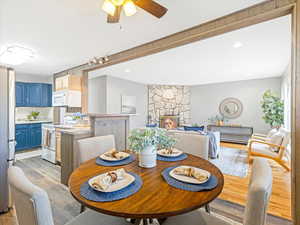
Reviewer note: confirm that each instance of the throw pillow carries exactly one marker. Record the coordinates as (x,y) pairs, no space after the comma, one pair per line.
(151,125)
(190,128)
(276,139)
(272,132)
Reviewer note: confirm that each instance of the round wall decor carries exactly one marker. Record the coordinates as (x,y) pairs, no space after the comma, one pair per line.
(231,108)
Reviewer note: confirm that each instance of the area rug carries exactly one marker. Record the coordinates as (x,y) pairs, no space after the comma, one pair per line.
(232,162)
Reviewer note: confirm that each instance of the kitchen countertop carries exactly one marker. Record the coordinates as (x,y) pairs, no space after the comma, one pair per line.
(32,121)
(97,115)
(76,130)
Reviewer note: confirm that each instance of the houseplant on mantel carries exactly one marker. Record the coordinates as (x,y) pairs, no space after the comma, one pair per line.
(146,142)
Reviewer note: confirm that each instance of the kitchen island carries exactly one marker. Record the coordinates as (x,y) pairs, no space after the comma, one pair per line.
(69,149)
(101,124)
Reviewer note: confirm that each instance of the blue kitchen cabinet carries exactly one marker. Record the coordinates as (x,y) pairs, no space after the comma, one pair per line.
(46,100)
(22,138)
(28,136)
(35,133)
(20,94)
(33,94)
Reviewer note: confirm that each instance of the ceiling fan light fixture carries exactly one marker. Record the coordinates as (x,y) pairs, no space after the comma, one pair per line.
(117,2)
(129,8)
(109,7)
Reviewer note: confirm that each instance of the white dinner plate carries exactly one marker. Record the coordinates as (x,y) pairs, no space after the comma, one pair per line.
(161,153)
(116,186)
(187,179)
(108,158)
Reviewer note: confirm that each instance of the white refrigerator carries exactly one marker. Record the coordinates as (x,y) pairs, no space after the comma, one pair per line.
(7,131)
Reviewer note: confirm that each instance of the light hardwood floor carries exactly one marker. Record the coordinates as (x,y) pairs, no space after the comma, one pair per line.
(235,188)
(230,203)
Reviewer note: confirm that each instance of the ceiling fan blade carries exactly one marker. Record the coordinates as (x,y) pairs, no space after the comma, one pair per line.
(115,18)
(152,7)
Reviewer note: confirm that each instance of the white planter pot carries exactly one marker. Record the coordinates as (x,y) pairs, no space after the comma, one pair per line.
(147,157)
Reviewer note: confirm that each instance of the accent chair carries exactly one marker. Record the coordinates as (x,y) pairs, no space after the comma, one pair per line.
(267,148)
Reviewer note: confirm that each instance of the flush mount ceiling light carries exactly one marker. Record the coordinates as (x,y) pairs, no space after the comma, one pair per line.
(127,71)
(16,55)
(114,7)
(237,44)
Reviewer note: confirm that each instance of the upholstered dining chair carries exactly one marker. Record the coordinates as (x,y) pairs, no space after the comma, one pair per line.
(90,148)
(33,206)
(191,142)
(266,149)
(259,191)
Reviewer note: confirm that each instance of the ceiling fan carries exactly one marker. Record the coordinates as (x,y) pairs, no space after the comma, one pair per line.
(114,7)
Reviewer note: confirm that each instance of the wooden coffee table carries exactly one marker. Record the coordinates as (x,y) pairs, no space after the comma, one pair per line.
(156,198)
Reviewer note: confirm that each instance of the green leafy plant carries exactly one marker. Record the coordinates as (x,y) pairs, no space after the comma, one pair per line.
(166,142)
(77,116)
(34,114)
(273,109)
(196,125)
(157,137)
(217,118)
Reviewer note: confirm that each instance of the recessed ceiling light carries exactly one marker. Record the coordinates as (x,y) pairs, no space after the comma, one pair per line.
(127,71)
(15,55)
(237,44)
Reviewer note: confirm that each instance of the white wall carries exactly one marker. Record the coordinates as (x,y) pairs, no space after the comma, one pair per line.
(117,87)
(286,96)
(97,95)
(22,77)
(205,100)
(104,96)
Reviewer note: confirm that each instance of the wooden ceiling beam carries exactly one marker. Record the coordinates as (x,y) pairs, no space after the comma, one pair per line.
(255,14)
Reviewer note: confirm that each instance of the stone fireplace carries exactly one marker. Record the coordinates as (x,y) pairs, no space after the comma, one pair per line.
(169,100)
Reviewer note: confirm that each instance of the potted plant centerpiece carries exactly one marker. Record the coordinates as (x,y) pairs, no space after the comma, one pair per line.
(146,142)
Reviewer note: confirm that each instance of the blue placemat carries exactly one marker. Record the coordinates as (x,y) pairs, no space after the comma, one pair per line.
(172,159)
(209,185)
(90,194)
(121,162)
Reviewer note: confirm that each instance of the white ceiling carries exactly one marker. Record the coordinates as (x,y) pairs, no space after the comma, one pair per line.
(66,33)
(265,53)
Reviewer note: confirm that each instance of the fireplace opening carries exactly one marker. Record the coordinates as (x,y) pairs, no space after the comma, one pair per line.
(169,122)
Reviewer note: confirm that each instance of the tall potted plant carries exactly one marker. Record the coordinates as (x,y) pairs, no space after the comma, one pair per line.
(146,142)
(273,109)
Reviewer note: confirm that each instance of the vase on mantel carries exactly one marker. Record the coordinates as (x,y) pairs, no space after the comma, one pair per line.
(147,157)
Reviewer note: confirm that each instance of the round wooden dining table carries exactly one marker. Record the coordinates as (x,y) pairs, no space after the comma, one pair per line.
(156,199)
